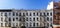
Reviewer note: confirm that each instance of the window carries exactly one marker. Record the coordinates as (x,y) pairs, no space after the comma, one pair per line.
(1,24)
(23,14)
(33,14)
(13,13)
(47,14)
(40,14)
(9,25)
(5,20)
(37,13)
(51,13)
(5,14)
(9,19)
(30,14)
(34,19)
(23,19)
(19,14)
(44,19)
(47,18)
(44,14)
(30,24)
(27,24)
(56,6)
(26,14)
(16,14)
(50,18)
(51,24)
(1,19)
(27,19)
(44,24)
(19,24)
(37,19)
(37,24)
(30,19)
(9,13)
(1,14)
(17,18)
(48,24)
(20,19)
(5,24)
(13,19)
(34,24)
(40,18)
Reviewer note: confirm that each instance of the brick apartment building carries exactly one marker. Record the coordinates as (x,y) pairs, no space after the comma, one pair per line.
(56,15)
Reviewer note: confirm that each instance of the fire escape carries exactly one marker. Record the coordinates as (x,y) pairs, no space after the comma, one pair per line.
(22,20)
(44,22)
(7,20)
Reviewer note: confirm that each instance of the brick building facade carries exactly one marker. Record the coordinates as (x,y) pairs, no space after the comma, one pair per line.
(56,15)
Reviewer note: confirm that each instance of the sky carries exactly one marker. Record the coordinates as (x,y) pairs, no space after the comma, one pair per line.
(56,0)
(24,4)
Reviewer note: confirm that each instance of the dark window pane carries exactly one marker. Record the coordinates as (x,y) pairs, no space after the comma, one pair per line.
(33,14)
(51,13)
(47,18)
(16,14)
(40,14)
(30,19)
(27,24)
(26,14)
(23,14)
(5,14)
(40,18)
(1,19)
(34,24)
(37,19)
(19,14)
(26,19)
(23,19)
(48,24)
(34,19)
(44,14)
(30,24)
(51,24)
(13,19)
(50,18)
(9,19)
(17,18)
(30,14)
(9,25)
(13,13)
(20,19)
(9,13)
(47,14)
(37,14)
(37,24)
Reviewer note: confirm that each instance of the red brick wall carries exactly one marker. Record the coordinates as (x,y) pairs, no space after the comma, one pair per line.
(56,14)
